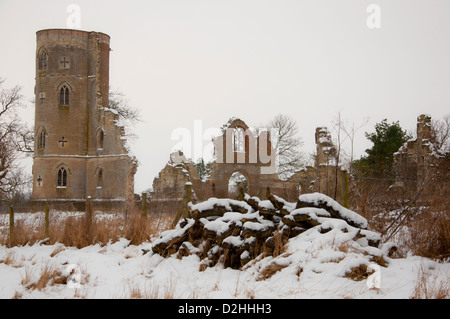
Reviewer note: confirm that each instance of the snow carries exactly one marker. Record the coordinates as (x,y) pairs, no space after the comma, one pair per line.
(225,202)
(234,241)
(314,264)
(218,226)
(346,214)
(257,226)
(310,211)
(168,235)
(266,204)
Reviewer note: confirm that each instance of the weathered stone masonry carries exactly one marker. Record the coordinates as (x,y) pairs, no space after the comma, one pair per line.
(420,164)
(80,148)
(256,166)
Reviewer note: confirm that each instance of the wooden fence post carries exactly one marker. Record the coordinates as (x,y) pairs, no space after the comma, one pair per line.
(47,218)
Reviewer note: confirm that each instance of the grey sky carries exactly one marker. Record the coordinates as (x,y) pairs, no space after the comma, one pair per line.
(181,61)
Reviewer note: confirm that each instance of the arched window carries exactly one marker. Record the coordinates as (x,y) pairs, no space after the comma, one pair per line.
(42,60)
(100,138)
(64,96)
(62,177)
(100,178)
(42,138)
(238,140)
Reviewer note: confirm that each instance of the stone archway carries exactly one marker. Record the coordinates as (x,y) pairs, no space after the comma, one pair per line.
(235,182)
(242,156)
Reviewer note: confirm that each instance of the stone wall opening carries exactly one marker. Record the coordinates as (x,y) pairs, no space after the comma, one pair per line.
(237,180)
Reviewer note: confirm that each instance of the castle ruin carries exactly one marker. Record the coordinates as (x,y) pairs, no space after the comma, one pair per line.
(80,149)
(420,164)
(250,153)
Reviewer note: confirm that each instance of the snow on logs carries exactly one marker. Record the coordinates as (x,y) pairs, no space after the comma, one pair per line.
(234,232)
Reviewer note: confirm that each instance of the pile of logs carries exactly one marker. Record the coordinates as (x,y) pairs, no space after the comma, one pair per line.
(234,232)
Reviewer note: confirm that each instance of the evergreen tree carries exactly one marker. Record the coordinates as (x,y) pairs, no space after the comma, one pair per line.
(201,169)
(386,139)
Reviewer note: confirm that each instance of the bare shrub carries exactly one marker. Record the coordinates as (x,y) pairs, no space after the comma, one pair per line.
(430,235)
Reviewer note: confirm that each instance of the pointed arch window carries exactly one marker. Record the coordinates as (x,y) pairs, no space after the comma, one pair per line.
(100,178)
(100,138)
(238,140)
(42,135)
(64,96)
(62,177)
(42,60)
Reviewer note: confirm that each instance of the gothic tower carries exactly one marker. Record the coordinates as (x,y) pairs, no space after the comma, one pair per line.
(80,149)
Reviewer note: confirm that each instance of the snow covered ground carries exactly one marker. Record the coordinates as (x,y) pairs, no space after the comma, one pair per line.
(311,267)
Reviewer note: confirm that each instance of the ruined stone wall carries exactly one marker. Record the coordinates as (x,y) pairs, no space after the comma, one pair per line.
(326,176)
(171,179)
(255,160)
(418,163)
(256,168)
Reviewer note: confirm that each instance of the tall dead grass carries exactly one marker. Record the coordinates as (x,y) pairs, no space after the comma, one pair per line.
(49,276)
(76,231)
(431,287)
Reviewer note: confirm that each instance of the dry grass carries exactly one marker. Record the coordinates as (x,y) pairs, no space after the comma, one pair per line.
(22,235)
(9,260)
(358,273)
(270,270)
(428,287)
(429,234)
(49,276)
(57,251)
(345,246)
(75,231)
(135,291)
(27,277)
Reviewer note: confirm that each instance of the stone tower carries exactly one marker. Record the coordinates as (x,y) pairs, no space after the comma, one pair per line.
(80,148)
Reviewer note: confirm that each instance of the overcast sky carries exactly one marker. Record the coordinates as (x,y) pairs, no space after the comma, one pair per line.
(186,60)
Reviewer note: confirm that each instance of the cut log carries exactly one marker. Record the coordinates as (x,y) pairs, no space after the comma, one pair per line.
(252,202)
(333,207)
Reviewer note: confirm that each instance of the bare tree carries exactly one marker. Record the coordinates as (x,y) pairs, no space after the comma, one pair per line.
(128,115)
(9,99)
(287,145)
(440,133)
(344,133)
(350,131)
(337,127)
(12,132)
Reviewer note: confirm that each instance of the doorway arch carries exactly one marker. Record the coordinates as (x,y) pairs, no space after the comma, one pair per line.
(237,180)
